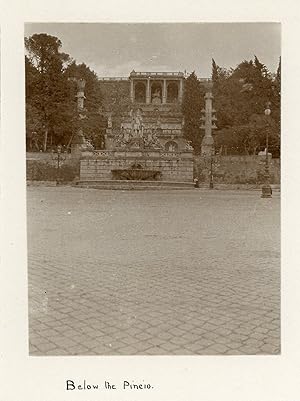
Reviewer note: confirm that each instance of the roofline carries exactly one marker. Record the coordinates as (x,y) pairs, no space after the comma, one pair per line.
(146,75)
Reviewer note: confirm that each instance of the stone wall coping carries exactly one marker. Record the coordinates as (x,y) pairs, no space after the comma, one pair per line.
(42,156)
(128,154)
(135,74)
(238,157)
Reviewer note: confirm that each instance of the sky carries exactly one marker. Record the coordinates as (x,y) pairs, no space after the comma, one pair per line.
(114,50)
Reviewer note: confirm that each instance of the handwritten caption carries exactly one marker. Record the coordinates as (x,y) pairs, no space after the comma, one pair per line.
(72,385)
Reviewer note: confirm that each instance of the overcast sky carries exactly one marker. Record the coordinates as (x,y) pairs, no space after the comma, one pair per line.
(117,49)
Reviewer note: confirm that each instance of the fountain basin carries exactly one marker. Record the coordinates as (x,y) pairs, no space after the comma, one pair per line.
(136,174)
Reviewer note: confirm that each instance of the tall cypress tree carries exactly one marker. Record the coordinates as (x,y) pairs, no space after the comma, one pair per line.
(215,72)
(193,102)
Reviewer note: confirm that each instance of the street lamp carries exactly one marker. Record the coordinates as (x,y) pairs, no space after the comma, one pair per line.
(266,190)
(59,156)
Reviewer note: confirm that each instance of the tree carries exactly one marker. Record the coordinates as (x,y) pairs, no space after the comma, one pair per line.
(240,98)
(51,106)
(74,71)
(215,72)
(193,103)
(47,89)
(276,110)
(218,74)
(94,123)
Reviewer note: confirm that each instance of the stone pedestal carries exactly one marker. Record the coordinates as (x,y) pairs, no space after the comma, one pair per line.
(207,146)
(77,145)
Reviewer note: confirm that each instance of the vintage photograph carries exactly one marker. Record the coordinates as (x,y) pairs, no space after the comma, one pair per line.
(153,188)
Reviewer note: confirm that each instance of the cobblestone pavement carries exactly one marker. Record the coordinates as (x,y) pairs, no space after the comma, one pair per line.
(153,272)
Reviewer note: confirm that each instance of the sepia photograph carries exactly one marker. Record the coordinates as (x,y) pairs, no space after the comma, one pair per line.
(153,188)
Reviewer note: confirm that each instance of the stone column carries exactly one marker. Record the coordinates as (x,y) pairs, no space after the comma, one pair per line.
(164,93)
(148,95)
(207,146)
(80,94)
(78,139)
(180,93)
(131,91)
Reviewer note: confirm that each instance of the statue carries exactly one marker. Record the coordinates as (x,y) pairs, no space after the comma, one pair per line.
(152,141)
(80,85)
(136,123)
(80,93)
(109,121)
(189,146)
(156,98)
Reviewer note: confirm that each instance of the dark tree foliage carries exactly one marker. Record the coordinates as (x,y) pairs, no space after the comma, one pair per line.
(47,91)
(94,123)
(240,98)
(193,103)
(51,106)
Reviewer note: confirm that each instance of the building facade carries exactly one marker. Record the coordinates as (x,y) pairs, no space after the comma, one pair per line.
(154,117)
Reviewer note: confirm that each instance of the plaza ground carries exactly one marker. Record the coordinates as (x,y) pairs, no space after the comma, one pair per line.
(192,272)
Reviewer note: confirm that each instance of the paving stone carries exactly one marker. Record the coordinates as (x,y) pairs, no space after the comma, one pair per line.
(257,336)
(274,333)
(222,331)
(217,349)
(182,351)
(44,347)
(144,336)
(169,346)
(254,342)
(269,349)
(128,350)
(156,341)
(179,340)
(91,343)
(272,341)
(78,350)
(155,351)
(100,349)
(63,342)
(56,352)
(233,352)
(217,297)
(248,349)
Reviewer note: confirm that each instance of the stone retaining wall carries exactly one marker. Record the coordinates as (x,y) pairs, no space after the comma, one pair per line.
(42,167)
(236,169)
(248,170)
(173,166)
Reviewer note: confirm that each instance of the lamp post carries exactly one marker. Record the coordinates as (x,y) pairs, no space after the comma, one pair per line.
(266,190)
(59,156)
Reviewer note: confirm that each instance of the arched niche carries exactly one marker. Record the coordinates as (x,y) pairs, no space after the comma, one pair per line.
(140,92)
(172,92)
(171,146)
(156,92)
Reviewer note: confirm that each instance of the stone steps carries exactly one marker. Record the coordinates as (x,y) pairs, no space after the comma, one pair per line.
(132,184)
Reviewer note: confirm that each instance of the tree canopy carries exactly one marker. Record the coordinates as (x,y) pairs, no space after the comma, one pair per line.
(51,109)
(240,98)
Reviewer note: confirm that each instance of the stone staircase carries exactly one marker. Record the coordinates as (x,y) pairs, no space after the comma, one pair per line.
(134,184)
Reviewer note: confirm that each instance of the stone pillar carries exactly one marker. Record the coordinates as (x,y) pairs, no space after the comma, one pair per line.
(131,91)
(164,92)
(148,94)
(207,146)
(180,93)
(78,140)
(76,145)
(80,94)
